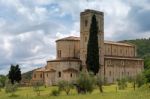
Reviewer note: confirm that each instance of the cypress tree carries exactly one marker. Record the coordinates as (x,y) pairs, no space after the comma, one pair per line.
(18,74)
(11,74)
(92,60)
(14,74)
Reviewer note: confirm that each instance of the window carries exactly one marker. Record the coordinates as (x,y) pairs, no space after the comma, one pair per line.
(109,73)
(126,51)
(86,23)
(121,51)
(85,39)
(47,74)
(71,75)
(122,62)
(108,50)
(128,73)
(109,62)
(34,75)
(59,74)
(85,56)
(41,75)
(59,53)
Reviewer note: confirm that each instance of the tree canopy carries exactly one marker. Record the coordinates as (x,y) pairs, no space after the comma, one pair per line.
(14,74)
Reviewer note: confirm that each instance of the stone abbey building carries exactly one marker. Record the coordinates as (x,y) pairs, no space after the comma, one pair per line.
(117,59)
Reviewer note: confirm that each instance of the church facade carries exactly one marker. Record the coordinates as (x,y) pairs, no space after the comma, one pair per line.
(116,59)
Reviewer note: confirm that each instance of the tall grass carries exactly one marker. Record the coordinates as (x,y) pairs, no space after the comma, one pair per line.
(109,93)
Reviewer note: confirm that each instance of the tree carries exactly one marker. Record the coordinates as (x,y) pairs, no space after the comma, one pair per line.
(36,88)
(2,80)
(18,74)
(11,88)
(147,75)
(140,80)
(99,83)
(14,74)
(92,60)
(65,86)
(55,92)
(85,83)
(122,83)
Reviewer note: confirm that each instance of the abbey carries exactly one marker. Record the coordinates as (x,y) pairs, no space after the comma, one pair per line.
(116,59)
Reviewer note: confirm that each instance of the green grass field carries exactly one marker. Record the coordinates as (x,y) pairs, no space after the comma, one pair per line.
(109,93)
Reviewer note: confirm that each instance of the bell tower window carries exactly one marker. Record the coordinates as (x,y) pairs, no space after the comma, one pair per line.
(86,23)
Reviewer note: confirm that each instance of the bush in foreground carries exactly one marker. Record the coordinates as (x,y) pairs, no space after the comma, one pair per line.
(85,83)
(122,83)
(11,88)
(36,88)
(99,83)
(65,86)
(55,92)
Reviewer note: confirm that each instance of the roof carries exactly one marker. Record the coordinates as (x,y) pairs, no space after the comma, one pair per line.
(70,38)
(127,58)
(92,11)
(118,43)
(40,69)
(70,69)
(65,60)
(73,38)
(50,70)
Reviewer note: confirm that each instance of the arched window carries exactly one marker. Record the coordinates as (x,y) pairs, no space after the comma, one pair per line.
(34,75)
(59,74)
(86,23)
(109,73)
(71,75)
(41,75)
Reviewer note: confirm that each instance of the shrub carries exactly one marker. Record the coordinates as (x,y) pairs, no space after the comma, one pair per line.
(140,80)
(11,88)
(85,83)
(2,80)
(55,92)
(122,83)
(65,86)
(36,88)
(99,83)
(147,75)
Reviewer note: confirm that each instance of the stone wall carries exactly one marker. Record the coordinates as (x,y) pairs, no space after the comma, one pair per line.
(64,70)
(124,50)
(119,68)
(67,49)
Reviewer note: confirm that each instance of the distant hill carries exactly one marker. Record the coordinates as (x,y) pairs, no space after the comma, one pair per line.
(27,75)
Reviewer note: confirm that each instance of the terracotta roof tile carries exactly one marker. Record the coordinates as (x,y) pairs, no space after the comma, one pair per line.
(73,38)
(70,38)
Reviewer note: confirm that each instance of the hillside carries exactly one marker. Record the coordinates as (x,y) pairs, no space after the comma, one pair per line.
(27,75)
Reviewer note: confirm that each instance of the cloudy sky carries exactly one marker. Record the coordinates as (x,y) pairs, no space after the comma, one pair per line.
(29,28)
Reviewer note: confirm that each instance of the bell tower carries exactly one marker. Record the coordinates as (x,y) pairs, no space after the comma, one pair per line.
(85,22)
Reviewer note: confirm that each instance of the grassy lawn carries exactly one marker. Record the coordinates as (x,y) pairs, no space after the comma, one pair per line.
(109,93)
